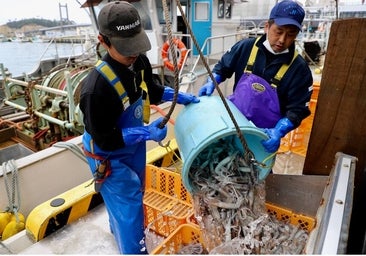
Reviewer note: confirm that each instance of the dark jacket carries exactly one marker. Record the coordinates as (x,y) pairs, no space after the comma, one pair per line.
(101,105)
(295,88)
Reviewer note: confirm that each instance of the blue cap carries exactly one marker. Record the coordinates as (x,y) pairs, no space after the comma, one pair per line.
(288,12)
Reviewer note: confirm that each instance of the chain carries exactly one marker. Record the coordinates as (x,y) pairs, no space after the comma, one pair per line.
(28,101)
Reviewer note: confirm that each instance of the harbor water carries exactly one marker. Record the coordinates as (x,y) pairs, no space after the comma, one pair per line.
(23,57)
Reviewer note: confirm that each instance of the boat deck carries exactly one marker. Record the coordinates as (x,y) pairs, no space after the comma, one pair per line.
(88,235)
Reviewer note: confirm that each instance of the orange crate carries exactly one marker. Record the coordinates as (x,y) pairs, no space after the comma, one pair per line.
(282,214)
(167,204)
(192,220)
(297,140)
(184,235)
(305,222)
(191,233)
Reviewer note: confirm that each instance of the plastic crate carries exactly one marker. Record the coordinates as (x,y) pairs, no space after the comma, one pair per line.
(192,220)
(297,140)
(184,235)
(167,204)
(191,233)
(286,215)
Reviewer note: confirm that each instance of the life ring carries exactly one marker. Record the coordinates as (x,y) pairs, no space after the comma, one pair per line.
(165,54)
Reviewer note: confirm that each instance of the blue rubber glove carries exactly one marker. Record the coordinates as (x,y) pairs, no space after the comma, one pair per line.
(133,135)
(182,98)
(209,87)
(275,134)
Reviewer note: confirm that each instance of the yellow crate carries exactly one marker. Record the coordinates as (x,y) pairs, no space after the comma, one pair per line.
(288,216)
(192,220)
(297,140)
(282,214)
(167,204)
(184,235)
(191,233)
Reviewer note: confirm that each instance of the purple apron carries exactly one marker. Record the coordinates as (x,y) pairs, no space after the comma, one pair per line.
(257,100)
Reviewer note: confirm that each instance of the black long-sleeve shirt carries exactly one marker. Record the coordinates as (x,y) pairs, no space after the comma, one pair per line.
(101,105)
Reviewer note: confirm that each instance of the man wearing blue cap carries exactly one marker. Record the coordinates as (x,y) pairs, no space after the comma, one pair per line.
(273,84)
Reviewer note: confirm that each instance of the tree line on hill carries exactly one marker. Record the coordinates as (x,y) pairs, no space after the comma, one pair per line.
(41,22)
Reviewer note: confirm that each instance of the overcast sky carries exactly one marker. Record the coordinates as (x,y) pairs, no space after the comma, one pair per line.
(11,10)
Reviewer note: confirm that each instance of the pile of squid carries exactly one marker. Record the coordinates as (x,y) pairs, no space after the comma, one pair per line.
(229,205)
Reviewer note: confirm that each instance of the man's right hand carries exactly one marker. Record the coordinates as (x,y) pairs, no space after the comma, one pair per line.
(133,135)
(209,87)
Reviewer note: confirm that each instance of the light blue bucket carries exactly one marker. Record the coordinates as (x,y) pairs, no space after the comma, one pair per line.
(198,125)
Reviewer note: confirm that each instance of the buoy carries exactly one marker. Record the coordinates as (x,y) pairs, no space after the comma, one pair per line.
(165,54)
(20,216)
(4,220)
(318,71)
(12,228)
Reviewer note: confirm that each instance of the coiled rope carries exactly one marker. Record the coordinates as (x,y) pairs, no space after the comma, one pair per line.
(12,187)
(175,64)
(73,148)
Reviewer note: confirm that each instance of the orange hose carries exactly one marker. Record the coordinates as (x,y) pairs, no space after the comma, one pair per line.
(162,112)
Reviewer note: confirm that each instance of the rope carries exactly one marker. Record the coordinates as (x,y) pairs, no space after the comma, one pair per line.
(248,155)
(73,148)
(12,190)
(176,70)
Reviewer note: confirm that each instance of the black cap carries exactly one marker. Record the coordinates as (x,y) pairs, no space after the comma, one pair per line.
(121,23)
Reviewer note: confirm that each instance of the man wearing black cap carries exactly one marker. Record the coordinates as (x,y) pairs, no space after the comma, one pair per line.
(273,84)
(115,100)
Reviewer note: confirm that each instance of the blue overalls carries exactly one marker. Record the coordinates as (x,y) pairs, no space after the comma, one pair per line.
(123,189)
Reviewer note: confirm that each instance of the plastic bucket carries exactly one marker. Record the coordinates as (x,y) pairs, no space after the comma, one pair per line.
(200,124)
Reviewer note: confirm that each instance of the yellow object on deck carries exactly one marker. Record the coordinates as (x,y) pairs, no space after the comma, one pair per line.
(63,209)
(163,156)
(69,206)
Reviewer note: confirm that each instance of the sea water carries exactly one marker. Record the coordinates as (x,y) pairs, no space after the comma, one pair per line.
(20,58)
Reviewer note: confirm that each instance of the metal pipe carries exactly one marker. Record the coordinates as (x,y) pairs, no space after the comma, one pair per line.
(53,120)
(17,118)
(13,115)
(70,96)
(39,87)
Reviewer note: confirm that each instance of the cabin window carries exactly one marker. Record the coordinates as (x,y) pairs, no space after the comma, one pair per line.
(220,9)
(201,11)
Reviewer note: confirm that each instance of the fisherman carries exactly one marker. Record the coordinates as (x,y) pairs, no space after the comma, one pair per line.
(115,101)
(273,84)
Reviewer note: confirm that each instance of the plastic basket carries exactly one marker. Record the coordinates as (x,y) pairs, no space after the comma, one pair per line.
(184,235)
(167,204)
(192,220)
(286,215)
(191,233)
(306,223)
(297,140)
